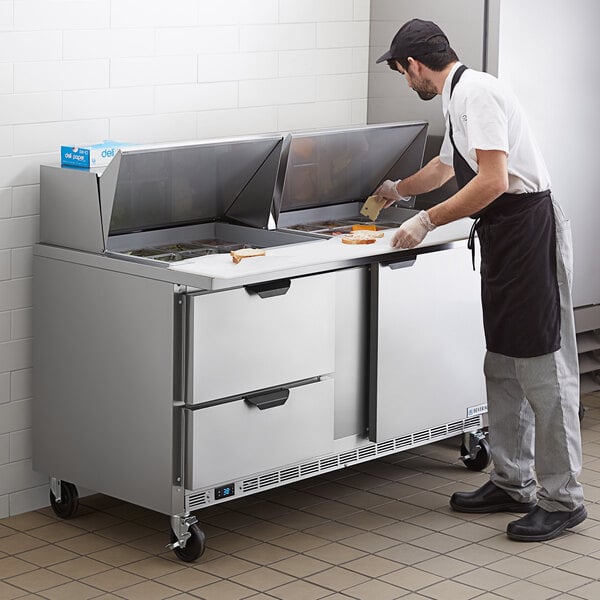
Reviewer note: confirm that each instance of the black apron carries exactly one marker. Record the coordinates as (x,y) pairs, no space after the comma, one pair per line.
(519,288)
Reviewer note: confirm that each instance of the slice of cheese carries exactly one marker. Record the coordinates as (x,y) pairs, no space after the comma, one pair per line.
(372,207)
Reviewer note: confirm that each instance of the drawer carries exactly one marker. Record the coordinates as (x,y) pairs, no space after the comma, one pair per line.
(260,337)
(237,439)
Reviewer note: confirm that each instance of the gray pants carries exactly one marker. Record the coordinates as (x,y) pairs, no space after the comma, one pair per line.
(533,406)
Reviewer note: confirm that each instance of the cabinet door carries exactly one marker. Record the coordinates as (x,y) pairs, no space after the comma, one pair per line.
(427,344)
(261,336)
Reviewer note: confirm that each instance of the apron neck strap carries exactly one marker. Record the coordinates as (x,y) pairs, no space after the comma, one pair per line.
(456,78)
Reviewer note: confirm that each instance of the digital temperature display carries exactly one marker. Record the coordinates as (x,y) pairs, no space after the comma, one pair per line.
(225,491)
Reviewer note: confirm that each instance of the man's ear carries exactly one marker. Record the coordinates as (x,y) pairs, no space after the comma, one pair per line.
(415,64)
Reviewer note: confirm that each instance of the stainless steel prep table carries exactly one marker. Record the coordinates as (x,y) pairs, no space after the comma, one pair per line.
(176,381)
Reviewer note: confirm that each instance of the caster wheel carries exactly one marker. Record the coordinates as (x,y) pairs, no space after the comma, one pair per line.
(69,501)
(482,459)
(194,547)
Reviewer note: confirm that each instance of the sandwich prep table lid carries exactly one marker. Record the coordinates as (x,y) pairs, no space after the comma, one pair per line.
(329,175)
(185,206)
(165,200)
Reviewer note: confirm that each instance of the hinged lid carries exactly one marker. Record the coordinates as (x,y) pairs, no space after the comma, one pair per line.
(161,186)
(342,166)
(166,186)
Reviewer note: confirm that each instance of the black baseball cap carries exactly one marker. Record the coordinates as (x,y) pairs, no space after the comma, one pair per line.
(413,38)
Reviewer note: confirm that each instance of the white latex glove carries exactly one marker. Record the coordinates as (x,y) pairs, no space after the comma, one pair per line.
(413,231)
(389,192)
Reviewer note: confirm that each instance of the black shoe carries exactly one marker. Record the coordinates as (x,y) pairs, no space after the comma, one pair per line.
(488,498)
(540,525)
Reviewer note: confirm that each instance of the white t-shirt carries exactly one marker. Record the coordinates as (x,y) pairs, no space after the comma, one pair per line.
(487,116)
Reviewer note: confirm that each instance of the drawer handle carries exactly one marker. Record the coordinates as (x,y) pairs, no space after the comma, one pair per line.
(269,289)
(269,399)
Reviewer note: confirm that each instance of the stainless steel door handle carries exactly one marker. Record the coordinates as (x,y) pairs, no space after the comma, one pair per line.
(269,399)
(406,261)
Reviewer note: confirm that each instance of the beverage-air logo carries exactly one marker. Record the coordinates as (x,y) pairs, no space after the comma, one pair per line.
(473,411)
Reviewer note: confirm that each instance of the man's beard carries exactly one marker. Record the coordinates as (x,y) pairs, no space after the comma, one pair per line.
(426,95)
(425,89)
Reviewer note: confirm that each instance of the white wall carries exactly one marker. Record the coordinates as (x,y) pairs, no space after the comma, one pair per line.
(79,71)
(549,55)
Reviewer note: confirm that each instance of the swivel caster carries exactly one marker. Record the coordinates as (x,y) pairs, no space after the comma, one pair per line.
(64,498)
(476,454)
(188,541)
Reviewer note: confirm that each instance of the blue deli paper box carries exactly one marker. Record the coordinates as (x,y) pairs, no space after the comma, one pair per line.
(86,157)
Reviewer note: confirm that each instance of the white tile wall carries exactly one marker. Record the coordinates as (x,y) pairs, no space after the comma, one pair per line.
(5,203)
(30,108)
(21,324)
(237,66)
(41,14)
(108,43)
(5,317)
(26,200)
(80,71)
(22,262)
(154,70)
(6,77)
(148,129)
(197,40)
(113,102)
(6,15)
(22,169)
(28,499)
(4,449)
(47,137)
(20,445)
(21,384)
(18,46)
(237,121)
(48,76)
(254,38)
(4,388)
(4,507)
(6,140)
(19,476)
(15,416)
(5,258)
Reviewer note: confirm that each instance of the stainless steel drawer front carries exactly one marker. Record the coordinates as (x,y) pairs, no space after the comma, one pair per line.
(242,340)
(236,439)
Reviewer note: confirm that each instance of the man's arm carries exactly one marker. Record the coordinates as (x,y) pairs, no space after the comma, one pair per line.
(432,176)
(490,182)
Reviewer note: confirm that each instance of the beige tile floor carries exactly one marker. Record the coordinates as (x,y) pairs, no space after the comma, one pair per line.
(379,531)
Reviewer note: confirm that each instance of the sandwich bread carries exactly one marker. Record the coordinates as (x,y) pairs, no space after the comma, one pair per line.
(238,255)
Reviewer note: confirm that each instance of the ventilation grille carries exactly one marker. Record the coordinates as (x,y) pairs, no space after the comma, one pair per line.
(197,500)
(330,463)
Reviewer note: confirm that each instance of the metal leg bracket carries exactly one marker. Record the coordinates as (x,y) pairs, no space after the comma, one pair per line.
(180,525)
(471,441)
(55,488)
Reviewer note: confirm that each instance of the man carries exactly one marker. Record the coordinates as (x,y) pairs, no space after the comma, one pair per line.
(530,365)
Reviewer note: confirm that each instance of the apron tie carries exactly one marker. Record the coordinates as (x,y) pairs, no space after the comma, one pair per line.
(471,240)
